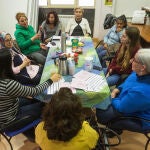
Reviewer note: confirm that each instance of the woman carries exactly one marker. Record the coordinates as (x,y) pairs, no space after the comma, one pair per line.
(22,67)
(78,26)
(12,108)
(28,41)
(120,64)
(52,26)
(63,126)
(132,97)
(112,38)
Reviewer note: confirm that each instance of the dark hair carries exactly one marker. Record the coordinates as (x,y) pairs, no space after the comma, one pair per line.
(6,64)
(62,116)
(55,16)
(122,18)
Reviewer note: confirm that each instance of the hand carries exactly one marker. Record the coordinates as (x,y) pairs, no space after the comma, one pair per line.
(105,46)
(43,46)
(36,36)
(26,62)
(118,29)
(114,93)
(55,77)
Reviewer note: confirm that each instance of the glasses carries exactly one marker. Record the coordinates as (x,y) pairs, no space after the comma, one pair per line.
(134,60)
(8,40)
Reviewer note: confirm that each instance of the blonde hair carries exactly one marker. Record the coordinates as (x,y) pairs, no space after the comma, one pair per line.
(78,8)
(19,15)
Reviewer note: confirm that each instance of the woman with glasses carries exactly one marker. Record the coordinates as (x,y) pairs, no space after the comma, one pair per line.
(120,64)
(28,40)
(131,98)
(23,68)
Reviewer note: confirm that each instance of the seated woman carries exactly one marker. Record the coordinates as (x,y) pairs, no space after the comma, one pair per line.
(132,97)
(78,26)
(63,125)
(11,106)
(22,67)
(28,41)
(120,64)
(112,38)
(51,26)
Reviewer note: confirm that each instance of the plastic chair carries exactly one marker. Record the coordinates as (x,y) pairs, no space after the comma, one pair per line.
(133,118)
(17,127)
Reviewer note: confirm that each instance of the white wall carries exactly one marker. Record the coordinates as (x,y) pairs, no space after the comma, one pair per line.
(100,12)
(8,10)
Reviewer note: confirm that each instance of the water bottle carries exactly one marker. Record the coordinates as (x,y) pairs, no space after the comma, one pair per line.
(71,66)
(63,42)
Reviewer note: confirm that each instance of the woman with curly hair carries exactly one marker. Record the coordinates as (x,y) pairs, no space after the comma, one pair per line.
(51,26)
(63,125)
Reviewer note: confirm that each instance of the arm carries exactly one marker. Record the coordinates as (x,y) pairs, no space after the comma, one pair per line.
(88,30)
(15,89)
(67,30)
(133,101)
(107,36)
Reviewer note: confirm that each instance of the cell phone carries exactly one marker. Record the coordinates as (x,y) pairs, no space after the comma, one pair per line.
(97,68)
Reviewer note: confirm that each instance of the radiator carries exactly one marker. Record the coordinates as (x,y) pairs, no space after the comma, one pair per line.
(64,19)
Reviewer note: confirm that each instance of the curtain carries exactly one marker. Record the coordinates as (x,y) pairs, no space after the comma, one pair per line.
(32,13)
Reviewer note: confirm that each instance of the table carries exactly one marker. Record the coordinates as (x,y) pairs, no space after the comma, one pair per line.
(144,33)
(99,99)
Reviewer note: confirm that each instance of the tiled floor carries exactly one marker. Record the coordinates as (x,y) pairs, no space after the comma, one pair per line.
(130,141)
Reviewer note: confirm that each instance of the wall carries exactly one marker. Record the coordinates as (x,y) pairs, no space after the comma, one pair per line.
(8,10)
(100,12)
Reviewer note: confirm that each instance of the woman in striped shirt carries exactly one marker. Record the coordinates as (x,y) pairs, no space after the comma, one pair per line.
(12,107)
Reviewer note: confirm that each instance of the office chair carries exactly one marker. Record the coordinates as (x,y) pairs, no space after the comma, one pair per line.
(17,127)
(134,119)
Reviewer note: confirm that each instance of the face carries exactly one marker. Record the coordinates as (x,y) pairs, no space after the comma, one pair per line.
(23,21)
(78,14)
(136,65)
(120,24)
(51,18)
(8,42)
(124,39)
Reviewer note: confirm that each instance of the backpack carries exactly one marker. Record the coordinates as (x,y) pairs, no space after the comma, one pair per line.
(109,21)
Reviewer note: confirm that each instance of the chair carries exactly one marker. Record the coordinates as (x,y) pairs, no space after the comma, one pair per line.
(133,118)
(8,131)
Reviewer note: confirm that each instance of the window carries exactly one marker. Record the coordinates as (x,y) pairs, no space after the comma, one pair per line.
(63,2)
(67,3)
(42,2)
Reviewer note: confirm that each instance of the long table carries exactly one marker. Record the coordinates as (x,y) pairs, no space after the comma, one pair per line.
(99,99)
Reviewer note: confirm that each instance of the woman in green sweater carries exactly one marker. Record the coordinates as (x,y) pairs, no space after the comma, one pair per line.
(28,40)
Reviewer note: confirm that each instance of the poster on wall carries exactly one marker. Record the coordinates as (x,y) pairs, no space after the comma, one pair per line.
(108,2)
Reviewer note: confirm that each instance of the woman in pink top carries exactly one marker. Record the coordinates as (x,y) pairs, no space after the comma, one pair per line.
(24,71)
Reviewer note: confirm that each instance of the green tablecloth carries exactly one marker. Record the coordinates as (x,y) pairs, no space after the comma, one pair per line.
(89,99)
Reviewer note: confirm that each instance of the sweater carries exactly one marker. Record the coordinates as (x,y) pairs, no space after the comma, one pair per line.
(117,69)
(134,97)
(23,37)
(85,139)
(83,24)
(10,90)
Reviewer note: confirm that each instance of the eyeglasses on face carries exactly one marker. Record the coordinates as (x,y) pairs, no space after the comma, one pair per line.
(8,40)
(134,60)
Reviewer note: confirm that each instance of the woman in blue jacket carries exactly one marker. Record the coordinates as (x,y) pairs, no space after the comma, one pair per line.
(132,97)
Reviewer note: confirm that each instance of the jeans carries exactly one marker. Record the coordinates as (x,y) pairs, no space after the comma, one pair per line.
(104,116)
(101,53)
(39,56)
(112,79)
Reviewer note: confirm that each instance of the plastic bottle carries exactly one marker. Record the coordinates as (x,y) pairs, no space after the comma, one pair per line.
(71,66)
(63,42)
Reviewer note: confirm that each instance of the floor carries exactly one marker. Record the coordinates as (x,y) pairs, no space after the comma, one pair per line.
(130,141)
